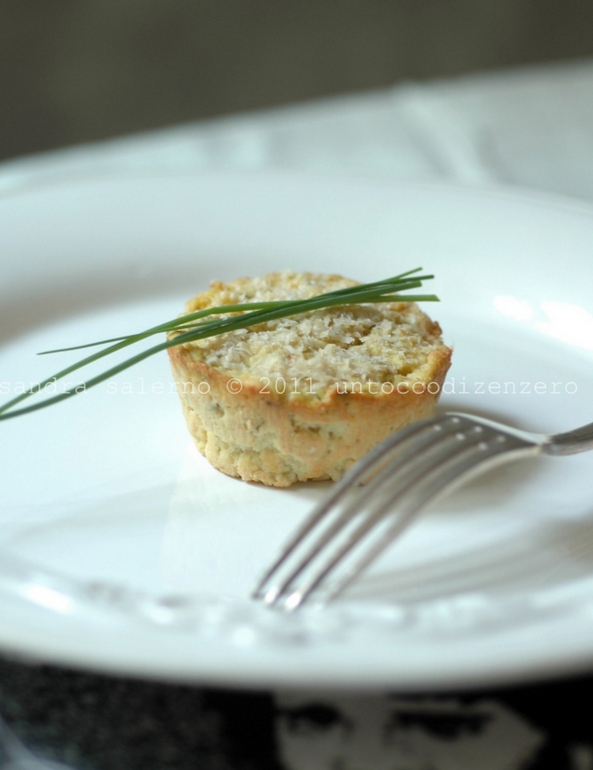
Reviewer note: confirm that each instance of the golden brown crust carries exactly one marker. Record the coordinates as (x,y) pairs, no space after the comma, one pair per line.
(249,429)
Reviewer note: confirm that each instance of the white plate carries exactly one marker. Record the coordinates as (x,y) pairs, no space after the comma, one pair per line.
(495,584)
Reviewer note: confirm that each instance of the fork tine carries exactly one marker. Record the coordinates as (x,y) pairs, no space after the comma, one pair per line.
(420,491)
(366,467)
(435,443)
(340,522)
(455,475)
(392,484)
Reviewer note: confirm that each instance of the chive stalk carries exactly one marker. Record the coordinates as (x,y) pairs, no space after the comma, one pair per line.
(199,325)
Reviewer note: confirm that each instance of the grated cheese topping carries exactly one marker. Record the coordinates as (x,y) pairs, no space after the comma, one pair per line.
(350,345)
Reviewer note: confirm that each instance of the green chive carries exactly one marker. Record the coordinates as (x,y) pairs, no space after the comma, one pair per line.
(193,327)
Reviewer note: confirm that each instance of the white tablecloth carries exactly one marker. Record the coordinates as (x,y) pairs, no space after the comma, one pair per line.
(531,127)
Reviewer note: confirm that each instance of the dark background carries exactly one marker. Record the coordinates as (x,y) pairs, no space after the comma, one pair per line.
(78,70)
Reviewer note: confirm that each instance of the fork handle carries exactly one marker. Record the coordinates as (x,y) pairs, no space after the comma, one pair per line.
(578,440)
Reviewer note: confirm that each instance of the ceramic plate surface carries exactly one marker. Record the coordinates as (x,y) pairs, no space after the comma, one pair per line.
(106,490)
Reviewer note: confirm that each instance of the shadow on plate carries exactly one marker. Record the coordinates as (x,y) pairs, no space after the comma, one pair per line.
(560,554)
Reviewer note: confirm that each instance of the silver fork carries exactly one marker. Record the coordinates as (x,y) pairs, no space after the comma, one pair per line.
(382,494)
